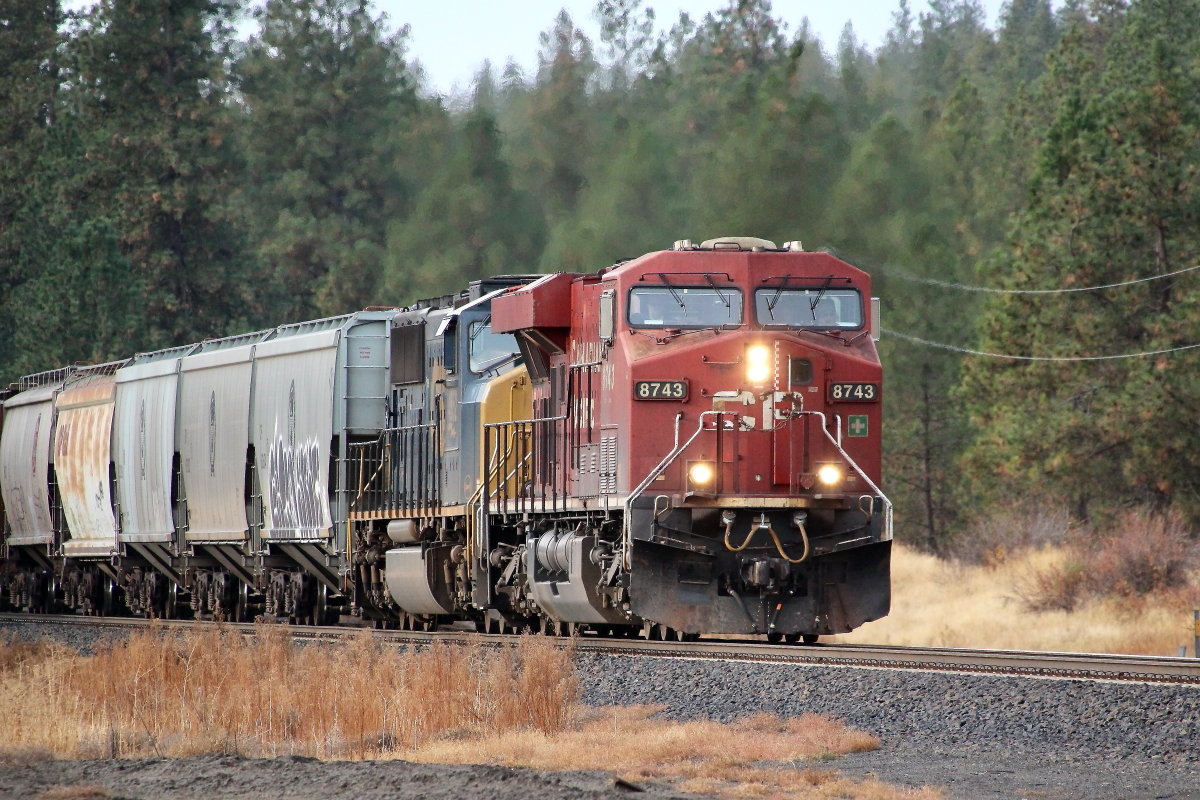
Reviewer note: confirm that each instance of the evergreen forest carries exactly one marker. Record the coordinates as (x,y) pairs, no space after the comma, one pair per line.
(165,177)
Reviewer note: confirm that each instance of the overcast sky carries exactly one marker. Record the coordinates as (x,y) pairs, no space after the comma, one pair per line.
(452,38)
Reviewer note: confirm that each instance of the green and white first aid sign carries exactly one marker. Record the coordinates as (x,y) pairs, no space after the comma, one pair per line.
(858,425)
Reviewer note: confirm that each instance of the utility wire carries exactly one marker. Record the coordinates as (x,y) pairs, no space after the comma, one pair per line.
(968,288)
(956,349)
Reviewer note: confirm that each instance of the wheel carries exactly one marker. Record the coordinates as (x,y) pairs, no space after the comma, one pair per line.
(241,611)
(320,606)
(810,638)
(107,601)
(774,638)
(791,638)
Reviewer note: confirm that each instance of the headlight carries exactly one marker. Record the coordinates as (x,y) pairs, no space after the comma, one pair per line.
(829,474)
(759,370)
(701,473)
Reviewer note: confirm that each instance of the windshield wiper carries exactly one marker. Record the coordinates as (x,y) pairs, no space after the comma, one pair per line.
(713,284)
(813,305)
(778,293)
(674,293)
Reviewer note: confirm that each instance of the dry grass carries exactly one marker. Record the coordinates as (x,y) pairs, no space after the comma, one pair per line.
(213,691)
(761,756)
(953,604)
(74,793)
(210,691)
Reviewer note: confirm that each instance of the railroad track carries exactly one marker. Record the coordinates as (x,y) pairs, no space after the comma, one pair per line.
(1030,664)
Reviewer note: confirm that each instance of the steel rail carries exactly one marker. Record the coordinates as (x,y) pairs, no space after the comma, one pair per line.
(1019,663)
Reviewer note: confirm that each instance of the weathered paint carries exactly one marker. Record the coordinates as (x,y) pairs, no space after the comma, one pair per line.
(24,465)
(82,454)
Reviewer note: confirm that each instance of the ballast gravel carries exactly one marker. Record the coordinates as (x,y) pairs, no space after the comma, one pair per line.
(979,736)
(1078,718)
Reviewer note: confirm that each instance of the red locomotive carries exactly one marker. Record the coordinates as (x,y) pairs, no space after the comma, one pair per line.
(707,458)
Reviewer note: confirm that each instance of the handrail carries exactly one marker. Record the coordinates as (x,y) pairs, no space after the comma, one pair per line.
(406,476)
(887,504)
(627,533)
(498,469)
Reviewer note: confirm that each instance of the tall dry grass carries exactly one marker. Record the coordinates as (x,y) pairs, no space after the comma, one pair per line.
(943,603)
(161,693)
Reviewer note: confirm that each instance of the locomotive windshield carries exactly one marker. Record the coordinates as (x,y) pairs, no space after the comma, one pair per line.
(490,350)
(684,306)
(828,309)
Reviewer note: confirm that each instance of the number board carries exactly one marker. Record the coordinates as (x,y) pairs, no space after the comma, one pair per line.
(660,390)
(853,392)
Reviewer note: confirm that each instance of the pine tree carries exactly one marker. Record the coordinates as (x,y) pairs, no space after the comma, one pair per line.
(28,88)
(1114,199)
(331,108)
(148,96)
(469,223)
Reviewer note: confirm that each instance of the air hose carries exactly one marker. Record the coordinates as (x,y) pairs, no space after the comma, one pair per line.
(762,523)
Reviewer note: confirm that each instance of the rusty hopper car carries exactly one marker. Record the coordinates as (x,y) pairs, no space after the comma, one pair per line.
(684,443)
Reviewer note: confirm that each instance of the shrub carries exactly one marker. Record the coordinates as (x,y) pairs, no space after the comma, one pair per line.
(1146,552)
(993,539)
(1058,587)
(1142,553)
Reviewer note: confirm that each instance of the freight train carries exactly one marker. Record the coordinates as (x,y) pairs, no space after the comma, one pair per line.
(680,444)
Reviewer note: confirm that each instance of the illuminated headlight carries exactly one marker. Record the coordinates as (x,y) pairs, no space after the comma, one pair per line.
(759,369)
(701,473)
(829,474)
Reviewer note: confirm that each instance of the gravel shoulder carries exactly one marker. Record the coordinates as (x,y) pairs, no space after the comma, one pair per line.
(980,774)
(979,736)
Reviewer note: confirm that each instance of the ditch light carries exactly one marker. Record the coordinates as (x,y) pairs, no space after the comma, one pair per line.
(759,366)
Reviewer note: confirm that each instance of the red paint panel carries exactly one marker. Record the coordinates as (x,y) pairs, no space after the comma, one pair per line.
(545,303)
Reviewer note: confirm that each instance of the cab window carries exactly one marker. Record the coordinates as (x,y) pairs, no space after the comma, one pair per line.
(491,350)
(684,306)
(819,309)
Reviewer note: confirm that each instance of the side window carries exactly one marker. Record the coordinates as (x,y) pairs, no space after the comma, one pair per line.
(491,350)
(408,354)
(450,346)
(608,313)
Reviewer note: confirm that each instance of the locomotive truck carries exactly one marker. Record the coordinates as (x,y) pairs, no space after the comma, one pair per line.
(680,444)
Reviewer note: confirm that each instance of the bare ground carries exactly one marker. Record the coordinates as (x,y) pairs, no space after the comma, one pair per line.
(297,778)
(965,774)
(993,774)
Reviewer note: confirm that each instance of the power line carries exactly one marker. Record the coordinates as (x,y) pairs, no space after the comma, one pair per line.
(968,288)
(956,349)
